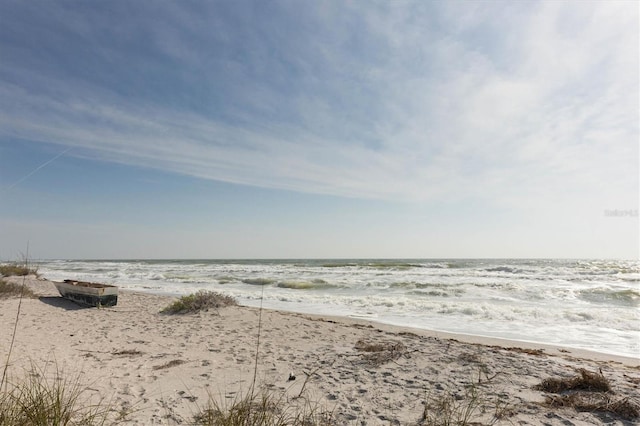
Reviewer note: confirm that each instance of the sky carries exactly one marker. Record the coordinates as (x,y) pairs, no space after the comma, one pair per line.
(319,129)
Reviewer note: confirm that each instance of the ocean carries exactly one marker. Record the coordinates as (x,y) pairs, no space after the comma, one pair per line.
(588,304)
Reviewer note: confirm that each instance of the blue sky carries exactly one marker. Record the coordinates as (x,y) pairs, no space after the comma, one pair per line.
(287,129)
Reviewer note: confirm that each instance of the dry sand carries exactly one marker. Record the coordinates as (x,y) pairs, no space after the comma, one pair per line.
(166,367)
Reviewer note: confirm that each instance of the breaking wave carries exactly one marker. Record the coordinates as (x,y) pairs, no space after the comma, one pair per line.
(592,304)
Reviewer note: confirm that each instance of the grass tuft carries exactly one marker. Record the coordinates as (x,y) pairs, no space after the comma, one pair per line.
(8,289)
(41,401)
(263,409)
(16,269)
(202,300)
(462,408)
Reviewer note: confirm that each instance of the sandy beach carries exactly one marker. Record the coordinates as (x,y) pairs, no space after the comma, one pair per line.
(163,369)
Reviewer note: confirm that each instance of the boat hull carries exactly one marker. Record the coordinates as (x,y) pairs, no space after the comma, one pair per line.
(88,294)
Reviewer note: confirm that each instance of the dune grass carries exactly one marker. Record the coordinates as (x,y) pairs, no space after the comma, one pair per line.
(8,290)
(451,410)
(264,409)
(40,399)
(17,269)
(202,300)
(464,407)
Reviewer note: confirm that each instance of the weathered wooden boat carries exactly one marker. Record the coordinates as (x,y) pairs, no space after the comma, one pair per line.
(88,294)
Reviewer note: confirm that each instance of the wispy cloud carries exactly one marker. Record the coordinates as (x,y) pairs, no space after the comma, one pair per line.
(405,101)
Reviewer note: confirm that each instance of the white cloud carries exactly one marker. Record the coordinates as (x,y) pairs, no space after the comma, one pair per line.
(550,111)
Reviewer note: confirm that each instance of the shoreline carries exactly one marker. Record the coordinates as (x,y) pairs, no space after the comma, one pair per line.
(166,366)
(554,302)
(463,337)
(484,340)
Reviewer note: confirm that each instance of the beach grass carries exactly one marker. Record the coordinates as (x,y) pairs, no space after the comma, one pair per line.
(463,407)
(40,399)
(8,289)
(17,269)
(264,409)
(202,300)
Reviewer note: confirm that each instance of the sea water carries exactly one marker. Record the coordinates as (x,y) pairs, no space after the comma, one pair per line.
(588,304)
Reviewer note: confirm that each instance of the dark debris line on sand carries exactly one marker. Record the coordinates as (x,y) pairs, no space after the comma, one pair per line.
(588,391)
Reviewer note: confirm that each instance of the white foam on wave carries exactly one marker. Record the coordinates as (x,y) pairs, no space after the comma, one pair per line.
(574,303)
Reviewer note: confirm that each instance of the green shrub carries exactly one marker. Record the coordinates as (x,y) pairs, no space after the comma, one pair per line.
(200,301)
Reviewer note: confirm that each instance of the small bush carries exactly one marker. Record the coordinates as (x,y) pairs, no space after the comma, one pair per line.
(202,300)
(15,269)
(8,289)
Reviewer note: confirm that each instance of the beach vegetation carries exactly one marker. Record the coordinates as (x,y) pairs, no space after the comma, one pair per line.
(202,300)
(462,408)
(474,404)
(257,408)
(9,289)
(17,269)
(41,399)
(588,391)
(264,409)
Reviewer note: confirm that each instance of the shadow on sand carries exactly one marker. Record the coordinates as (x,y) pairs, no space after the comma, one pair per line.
(60,302)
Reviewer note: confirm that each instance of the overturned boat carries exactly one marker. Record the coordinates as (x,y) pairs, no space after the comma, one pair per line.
(88,294)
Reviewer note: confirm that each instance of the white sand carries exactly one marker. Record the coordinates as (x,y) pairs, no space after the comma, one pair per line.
(166,367)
